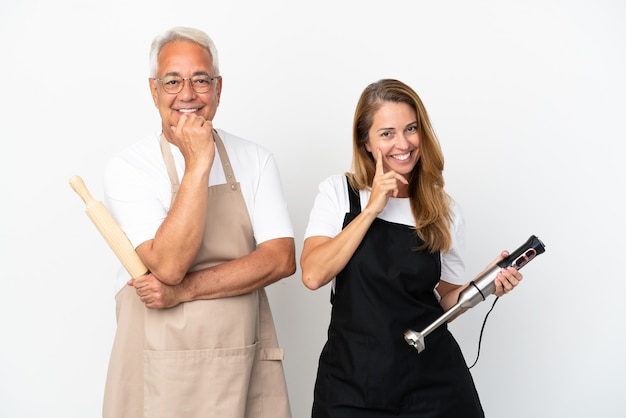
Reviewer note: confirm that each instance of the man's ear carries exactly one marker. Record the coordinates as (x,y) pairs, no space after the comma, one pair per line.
(219,89)
(153,91)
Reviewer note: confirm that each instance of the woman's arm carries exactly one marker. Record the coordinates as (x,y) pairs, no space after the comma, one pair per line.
(505,281)
(324,257)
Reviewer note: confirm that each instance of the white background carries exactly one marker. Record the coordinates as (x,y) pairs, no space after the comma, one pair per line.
(528,99)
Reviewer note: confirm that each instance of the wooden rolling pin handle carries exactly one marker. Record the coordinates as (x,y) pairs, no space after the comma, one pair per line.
(110,230)
(80,188)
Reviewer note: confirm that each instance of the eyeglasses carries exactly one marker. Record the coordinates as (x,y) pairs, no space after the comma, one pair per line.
(173,84)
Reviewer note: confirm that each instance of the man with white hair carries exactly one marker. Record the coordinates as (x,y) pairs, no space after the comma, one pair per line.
(205,211)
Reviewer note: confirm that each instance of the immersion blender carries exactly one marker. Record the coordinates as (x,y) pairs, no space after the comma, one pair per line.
(479,288)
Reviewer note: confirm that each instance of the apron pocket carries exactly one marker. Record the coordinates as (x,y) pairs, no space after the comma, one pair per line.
(197,383)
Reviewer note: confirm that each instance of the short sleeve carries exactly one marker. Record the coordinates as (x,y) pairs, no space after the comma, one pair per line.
(329,208)
(452,261)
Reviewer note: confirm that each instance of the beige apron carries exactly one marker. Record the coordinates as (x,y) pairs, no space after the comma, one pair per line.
(206,358)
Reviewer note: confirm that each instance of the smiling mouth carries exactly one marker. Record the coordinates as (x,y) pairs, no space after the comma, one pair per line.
(402,157)
(187,110)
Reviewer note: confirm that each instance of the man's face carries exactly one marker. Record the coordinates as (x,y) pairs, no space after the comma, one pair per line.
(184,59)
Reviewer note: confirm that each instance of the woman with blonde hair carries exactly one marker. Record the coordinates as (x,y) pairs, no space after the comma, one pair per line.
(389,239)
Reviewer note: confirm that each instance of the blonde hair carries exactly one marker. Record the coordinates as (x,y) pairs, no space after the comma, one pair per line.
(430,204)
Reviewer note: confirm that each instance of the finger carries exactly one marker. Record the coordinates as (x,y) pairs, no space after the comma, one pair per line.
(199,121)
(181,122)
(401,178)
(513,277)
(208,126)
(504,254)
(379,162)
(500,287)
(516,273)
(500,290)
(506,286)
(206,122)
(509,278)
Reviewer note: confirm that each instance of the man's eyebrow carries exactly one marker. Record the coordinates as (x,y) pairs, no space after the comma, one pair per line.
(176,73)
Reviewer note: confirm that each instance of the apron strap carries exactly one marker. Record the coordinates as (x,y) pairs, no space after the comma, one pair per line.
(169,163)
(355,199)
(228,169)
(168,157)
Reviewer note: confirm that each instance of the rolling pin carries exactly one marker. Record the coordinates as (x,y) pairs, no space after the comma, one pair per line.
(110,230)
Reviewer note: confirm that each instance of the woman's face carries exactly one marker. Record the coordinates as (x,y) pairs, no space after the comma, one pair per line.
(394,132)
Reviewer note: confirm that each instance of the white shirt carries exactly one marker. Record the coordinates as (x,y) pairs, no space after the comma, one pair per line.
(137,189)
(332,203)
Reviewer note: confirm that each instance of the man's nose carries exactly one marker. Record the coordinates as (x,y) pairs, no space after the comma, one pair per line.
(187,90)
